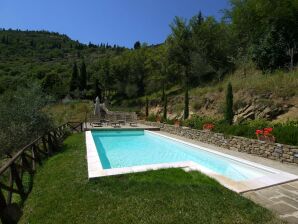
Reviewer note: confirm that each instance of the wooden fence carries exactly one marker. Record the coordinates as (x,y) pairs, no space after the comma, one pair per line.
(17,173)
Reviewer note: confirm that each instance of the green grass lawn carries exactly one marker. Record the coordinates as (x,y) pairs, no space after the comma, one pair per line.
(63,194)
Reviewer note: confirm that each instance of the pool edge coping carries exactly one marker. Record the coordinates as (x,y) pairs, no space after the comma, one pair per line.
(95,169)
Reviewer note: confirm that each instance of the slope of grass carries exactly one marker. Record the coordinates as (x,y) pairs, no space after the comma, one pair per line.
(63,194)
(280,83)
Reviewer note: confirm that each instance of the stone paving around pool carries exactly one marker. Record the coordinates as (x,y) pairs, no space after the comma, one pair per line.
(281,199)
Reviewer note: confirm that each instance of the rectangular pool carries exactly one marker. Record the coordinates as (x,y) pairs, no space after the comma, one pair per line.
(119,150)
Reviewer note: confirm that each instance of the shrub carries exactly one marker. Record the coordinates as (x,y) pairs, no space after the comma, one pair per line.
(152,118)
(286,133)
(245,129)
(197,122)
(170,121)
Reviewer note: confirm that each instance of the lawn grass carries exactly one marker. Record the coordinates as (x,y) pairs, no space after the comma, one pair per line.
(63,194)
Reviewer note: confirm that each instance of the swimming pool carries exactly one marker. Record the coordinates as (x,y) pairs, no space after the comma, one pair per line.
(130,151)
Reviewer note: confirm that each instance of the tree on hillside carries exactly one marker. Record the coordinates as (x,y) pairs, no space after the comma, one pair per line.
(22,118)
(52,85)
(270,52)
(229,114)
(262,25)
(180,45)
(137,45)
(212,49)
(160,71)
(83,77)
(180,48)
(74,82)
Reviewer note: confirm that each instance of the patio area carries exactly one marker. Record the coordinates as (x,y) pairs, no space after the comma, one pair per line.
(107,127)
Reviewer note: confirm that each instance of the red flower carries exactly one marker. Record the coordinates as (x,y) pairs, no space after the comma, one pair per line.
(266,133)
(208,126)
(268,129)
(259,132)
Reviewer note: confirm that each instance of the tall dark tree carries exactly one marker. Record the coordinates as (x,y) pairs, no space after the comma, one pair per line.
(74,82)
(147,107)
(83,76)
(98,91)
(163,92)
(165,107)
(186,104)
(137,45)
(229,114)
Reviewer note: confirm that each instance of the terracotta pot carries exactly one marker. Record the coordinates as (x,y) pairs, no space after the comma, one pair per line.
(261,138)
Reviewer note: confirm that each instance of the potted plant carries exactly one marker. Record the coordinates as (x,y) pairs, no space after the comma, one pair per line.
(265,135)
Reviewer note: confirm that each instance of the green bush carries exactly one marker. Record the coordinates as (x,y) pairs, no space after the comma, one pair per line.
(246,129)
(197,122)
(170,121)
(286,133)
(152,118)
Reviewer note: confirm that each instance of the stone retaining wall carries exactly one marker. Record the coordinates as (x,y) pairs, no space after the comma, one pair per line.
(274,151)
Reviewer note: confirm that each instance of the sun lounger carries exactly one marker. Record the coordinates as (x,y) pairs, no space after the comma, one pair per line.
(115,125)
(133,124)
(96,124)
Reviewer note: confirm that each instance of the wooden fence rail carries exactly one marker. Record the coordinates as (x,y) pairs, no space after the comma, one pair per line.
(17,173)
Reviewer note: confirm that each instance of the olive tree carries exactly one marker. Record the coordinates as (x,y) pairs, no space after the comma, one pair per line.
(22,118)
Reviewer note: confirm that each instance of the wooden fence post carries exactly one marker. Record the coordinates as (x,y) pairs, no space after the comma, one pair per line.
(50,143)
(44,144)
(2,204)
(18,180)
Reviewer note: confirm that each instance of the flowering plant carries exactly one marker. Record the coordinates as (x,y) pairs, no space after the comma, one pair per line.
(208,126)
(265,135)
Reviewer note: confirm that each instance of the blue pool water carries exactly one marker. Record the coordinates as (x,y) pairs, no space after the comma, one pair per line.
(118,149)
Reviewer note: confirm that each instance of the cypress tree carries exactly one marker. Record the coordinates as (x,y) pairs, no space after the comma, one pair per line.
(147,107)
(165,109)
(163,92)
(83,77)
(229,114)
(97,90)
(137,45)
(74,82)
(186,103)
